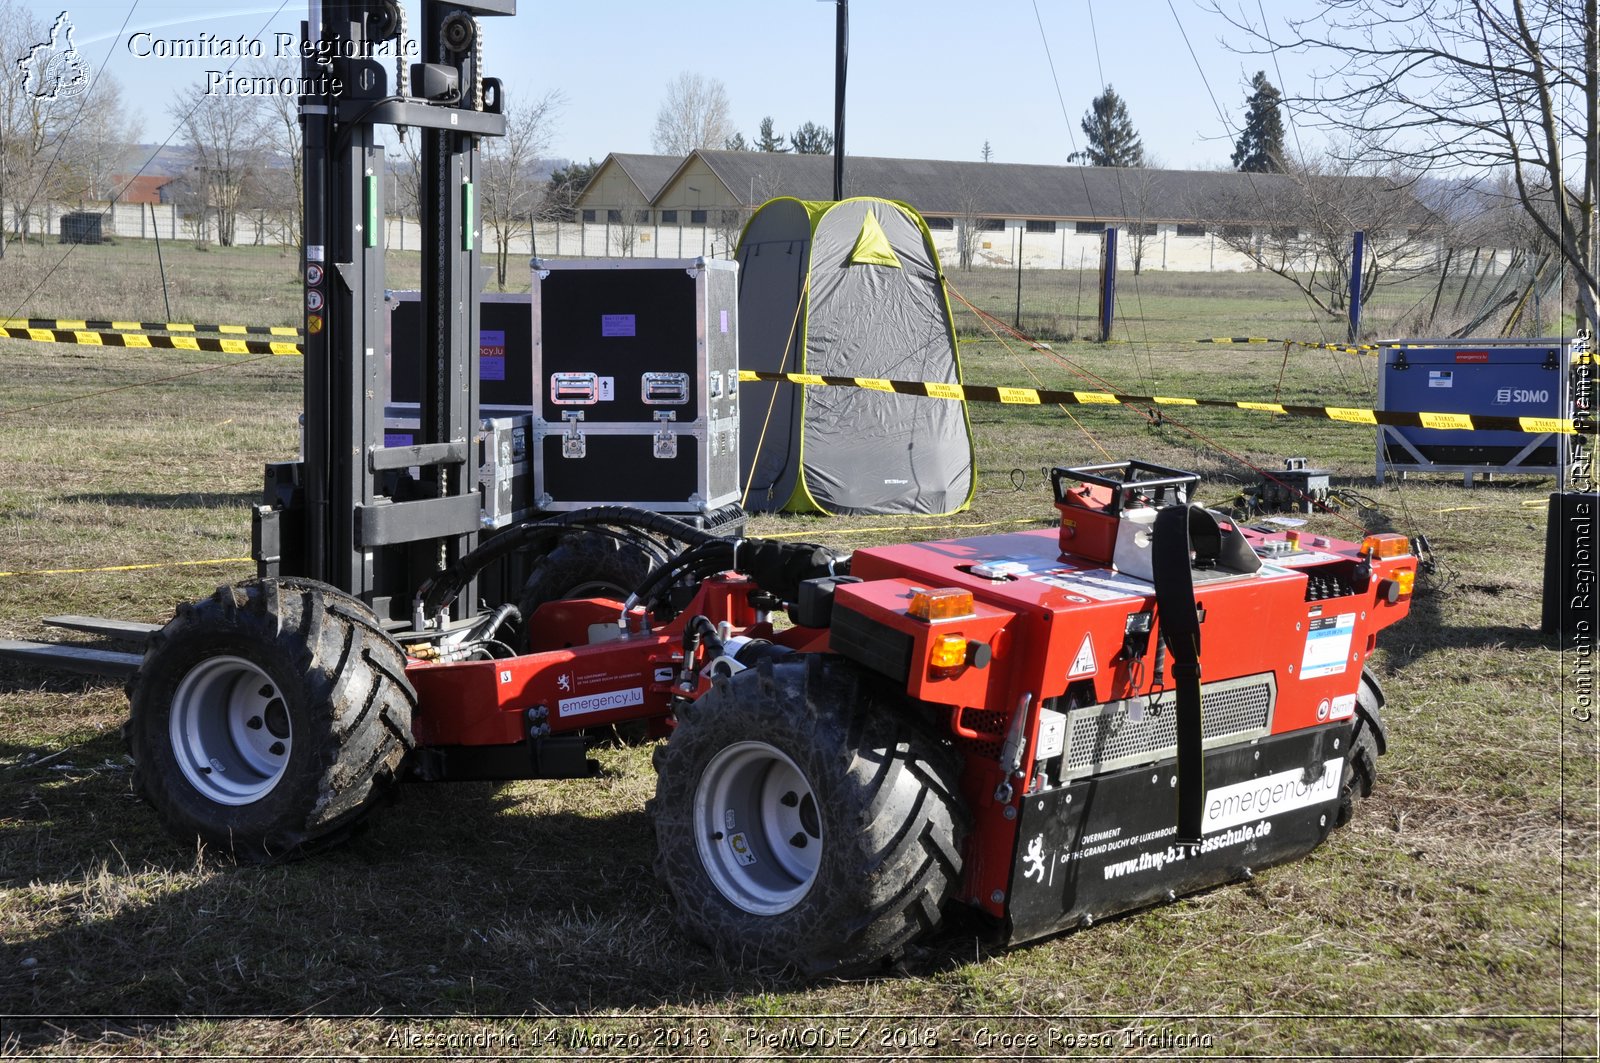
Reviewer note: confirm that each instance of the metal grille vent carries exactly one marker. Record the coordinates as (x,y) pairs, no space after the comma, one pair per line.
(990,724)
(1102,737)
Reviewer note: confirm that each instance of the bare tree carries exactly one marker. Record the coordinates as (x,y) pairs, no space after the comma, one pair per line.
(408,174)
(59,136)
(511,194)
(1139,202)
(25,119)
(729,223)
(1308,216)
(622,227)
(90,143)
(1476,87)
(693,115)
(971,195)
(189,200)
(225,137)
(278,191)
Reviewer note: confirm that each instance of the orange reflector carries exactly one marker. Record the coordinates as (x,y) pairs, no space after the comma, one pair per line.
(1386,544)
(947,655)
(1406,578)
(940,605)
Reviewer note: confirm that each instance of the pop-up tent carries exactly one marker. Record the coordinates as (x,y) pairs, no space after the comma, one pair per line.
(851,288)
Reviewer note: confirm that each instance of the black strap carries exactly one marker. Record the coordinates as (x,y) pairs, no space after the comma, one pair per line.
(1180,629)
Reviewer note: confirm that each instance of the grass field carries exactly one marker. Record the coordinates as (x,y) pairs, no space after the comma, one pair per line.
(1456,917)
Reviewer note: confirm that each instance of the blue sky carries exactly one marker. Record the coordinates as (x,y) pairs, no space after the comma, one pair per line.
(929,79)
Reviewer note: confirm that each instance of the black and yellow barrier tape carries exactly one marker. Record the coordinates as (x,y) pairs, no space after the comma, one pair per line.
(968,392)
(94,338)
(100,325)
(1036,397)
(1578,356)
(1346,348)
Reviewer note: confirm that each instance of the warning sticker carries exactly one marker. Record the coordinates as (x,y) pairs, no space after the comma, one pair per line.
(1083,663)
(1327,646)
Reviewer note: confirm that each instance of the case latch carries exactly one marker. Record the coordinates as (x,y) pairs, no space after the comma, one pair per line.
(666,440)
(572,441)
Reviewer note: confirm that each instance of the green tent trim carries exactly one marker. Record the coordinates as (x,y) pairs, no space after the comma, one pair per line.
(872,246)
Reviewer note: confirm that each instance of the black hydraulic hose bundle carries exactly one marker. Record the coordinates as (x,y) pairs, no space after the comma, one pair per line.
(777,568)
(437,593)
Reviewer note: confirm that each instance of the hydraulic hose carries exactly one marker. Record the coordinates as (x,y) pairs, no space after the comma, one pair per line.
(436,594)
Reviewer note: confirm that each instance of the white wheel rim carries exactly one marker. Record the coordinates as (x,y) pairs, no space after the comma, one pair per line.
(230,730)
(757,828)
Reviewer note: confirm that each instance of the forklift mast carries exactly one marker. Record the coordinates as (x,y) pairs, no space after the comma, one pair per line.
(371,519)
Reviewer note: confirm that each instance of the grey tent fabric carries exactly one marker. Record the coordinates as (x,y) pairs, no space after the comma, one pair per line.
(773,255)
(852,288)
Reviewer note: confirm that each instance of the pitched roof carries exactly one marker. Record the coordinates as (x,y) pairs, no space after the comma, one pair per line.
(1004,190)
(1010,190)
(647,172)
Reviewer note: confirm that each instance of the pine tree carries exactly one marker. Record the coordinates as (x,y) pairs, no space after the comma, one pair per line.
(1112,140)
(988,152)
(1260,145)
(768,140)
(736,143)
(812,139)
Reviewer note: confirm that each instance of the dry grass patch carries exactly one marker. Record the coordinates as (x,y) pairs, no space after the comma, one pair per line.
(1463,895)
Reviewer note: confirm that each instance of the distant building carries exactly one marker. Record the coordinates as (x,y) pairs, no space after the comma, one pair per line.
(1049,215)
(145,188)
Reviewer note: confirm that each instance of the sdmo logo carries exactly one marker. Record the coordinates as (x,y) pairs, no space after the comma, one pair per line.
(1509,396)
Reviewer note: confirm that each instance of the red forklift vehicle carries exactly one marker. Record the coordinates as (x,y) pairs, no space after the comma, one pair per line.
(1042,727)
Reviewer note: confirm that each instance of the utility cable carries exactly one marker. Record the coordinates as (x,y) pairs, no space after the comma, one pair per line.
(1153,416)
(1061,406)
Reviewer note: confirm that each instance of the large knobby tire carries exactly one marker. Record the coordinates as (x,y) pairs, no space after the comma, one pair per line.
(806,820)
(586,565)
(1366,745)
(267,719)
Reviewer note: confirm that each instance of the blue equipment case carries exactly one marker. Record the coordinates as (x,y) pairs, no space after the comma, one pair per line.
(1506,378)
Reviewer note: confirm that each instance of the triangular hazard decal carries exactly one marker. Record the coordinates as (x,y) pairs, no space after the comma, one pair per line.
(1083,663)
(872,246)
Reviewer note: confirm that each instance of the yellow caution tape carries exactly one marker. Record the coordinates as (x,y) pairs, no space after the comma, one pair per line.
(128,568)
(1037,396)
